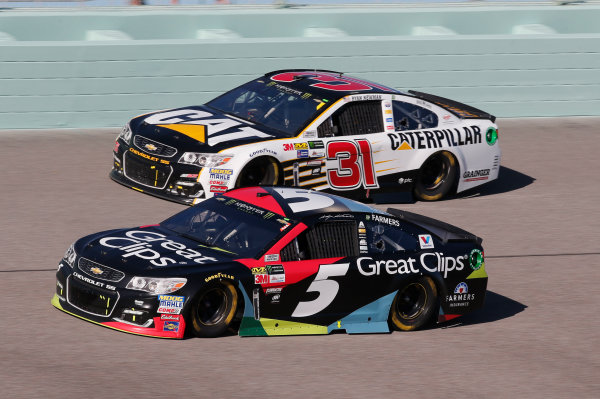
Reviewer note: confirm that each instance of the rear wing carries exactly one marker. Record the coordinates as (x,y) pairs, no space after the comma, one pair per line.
(445,231)
(461,110)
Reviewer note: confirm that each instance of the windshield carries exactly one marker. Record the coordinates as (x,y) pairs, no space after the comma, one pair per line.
(270,104)
(230,225)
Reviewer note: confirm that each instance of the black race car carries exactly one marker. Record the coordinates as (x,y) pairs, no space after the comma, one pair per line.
(274,261)
(318,130)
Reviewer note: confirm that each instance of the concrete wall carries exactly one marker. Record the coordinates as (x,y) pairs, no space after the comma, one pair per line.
(100,68)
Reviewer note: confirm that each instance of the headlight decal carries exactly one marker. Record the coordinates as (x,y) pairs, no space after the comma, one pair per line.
(156,286)
(204,159)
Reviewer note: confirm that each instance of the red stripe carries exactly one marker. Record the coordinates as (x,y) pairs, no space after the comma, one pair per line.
(250,195)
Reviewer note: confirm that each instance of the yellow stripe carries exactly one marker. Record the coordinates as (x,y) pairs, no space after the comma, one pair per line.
(196,132)
(384,170)
(56,303)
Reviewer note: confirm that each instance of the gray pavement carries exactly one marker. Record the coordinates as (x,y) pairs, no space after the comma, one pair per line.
(537,336)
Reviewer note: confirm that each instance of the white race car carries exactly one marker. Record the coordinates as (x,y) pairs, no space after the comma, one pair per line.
(320,130)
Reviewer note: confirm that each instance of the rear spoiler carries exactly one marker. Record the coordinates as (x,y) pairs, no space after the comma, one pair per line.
(446,232)
(461,110)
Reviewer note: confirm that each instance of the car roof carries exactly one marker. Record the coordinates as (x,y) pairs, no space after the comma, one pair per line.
(301,81)
(298,203)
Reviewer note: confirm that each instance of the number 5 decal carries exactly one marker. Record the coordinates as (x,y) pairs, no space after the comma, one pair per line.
(355,165)
(327,289)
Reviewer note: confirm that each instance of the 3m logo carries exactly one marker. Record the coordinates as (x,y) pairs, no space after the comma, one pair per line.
(261,279)
(425,241)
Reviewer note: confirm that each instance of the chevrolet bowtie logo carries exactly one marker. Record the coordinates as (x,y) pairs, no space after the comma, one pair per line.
(96,270)
(150,147)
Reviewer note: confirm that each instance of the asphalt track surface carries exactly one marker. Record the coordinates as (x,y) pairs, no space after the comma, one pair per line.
(537,337)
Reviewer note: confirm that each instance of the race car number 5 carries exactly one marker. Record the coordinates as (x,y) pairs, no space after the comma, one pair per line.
(355,165)
(327,289)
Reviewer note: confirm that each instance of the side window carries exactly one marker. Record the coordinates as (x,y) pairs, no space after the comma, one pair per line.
(323,240)
(361,117)
(412,117)
(386,239)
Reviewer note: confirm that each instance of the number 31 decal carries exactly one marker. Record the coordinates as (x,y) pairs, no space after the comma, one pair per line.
(327,289)
(355,165)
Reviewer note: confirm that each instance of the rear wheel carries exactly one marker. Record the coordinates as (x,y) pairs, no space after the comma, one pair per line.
(414,305)
(436,177)
(262,171)
(214,309)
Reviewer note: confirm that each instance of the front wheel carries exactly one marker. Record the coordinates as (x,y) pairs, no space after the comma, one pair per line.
(414,305)
(436,177)
(213,309)
(262,171)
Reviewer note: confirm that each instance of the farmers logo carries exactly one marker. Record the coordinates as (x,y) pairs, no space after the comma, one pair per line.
(461,288)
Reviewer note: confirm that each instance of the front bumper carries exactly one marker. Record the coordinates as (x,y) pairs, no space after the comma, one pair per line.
(156,176)
(120,309)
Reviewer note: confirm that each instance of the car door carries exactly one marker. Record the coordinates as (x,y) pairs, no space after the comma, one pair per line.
(353,135)
(314,268)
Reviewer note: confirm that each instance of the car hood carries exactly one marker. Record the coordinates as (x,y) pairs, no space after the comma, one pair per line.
(146,249)
(198,128)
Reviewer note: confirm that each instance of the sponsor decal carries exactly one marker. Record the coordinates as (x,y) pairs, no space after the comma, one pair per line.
(263,151)
(389,120)
(476,259)
(170,304)
(198,124)
(315,144)
(219,276)
(261,279)
(288,147)
(446,117)
(148,157)
(403,180)
(150,147)
(218,182)
(275,298)
(218,189)
(461,296)
(491,136)
(169,317)
(94,282)
(302,154)
(189,175)
(116,148)
(311,134)
(276,273)
(317,153)
(272,258)
(430,261)
(426,139)
(425,241)
(273,290)
(259,270)
(387,104)
(362,237)
(300,146)
(138,243)
(220,174)
(172,326)
(388,111)
(96,270)
(473,175)
(385,220)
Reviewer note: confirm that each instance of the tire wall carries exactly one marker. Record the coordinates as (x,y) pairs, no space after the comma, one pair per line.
(75,69)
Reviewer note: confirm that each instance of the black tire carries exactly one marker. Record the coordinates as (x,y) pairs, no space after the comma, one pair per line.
(213,309)
(263,171)
(436,177)
(414,305)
